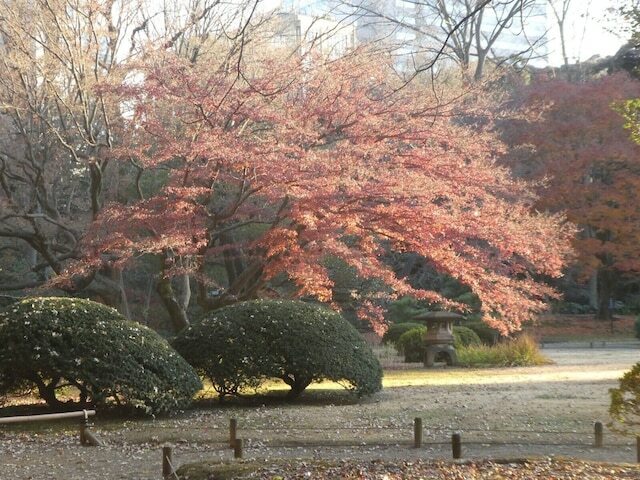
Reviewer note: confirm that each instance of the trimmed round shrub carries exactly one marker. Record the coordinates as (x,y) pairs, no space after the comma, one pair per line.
(411,344)
(465,337)
(488,335)
(395,331)
(239,346)
(52,343)
(625,402)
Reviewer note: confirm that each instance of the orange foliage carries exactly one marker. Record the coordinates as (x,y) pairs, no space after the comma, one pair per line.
(330,159)
(590,168)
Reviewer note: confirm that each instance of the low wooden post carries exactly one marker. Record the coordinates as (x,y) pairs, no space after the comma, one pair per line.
(638,449)
(456,445)
(237,448)
(167,461)
(83,428)
(233,430)
(417,432)
(599,434)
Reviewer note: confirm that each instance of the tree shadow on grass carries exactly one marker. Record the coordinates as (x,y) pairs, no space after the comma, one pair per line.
(279,398)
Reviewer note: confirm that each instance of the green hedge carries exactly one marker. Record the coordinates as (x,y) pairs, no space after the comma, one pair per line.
(411,343)
(396,330)
(239,346)
(465,337)
(487,335)
(50,343)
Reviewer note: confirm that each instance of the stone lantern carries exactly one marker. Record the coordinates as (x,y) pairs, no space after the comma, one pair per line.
(439,338)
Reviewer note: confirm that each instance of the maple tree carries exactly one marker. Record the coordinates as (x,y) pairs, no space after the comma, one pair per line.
(58,127)
(320,159)
(574,139)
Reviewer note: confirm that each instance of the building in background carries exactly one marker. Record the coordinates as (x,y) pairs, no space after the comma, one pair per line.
(312,26)
(414,30)
(420,27)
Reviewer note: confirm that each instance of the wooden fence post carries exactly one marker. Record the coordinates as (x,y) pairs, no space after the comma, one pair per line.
(599,434)
(638,449)
(87,437)
(237,448)
(417,432)
(233,430)
(167,461)
(456,445)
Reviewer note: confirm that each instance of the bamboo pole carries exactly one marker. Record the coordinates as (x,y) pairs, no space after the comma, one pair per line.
(46,416)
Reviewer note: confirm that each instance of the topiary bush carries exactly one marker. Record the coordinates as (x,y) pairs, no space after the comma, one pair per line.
(52,343)
(239,346)
(465,337)
(625,402)
(411,344)
(395,331)
(488,335)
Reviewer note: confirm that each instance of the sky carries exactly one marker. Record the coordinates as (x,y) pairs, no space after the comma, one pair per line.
(588,29)
(588,32)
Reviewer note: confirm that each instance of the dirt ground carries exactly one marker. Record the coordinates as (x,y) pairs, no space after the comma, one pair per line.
(499,413)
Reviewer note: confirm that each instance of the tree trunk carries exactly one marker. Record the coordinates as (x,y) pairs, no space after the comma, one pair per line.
(177,313)
(147,301)
(479,72)
(234,262)
(605,292)
(184,286)
(593,291)
(297,383)
(106,287)
(122,301)
(47,391)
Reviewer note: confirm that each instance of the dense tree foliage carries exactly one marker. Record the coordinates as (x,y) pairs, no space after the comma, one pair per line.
(577,144)
(59,130)
(240,346)
(209,166)
(330,159)
(52,343)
